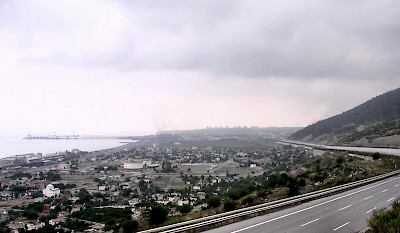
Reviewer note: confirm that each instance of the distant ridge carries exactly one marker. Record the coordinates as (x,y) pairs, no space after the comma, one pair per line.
(365,124)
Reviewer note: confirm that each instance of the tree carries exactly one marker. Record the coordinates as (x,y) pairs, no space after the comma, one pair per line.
(84,196)
(376,156)
(293,187)
(302,181)
(143,185)
(37,194)
(229,205)
(75,225)
(53,176)
(4,228)
(126,192)
(185,209)
(340,160)
(157,215)
(31,214)
(20,174)
(213,202)
(18,190)
(130,226)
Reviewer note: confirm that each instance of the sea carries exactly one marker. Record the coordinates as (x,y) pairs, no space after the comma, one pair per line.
(16,145)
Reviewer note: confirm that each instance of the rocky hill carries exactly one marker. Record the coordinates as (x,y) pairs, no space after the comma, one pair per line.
(373,123)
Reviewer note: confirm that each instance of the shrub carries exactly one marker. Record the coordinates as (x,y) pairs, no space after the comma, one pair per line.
(214,202)
(248,200)
(376,156)
(157,215)
(229,205)
(386,221)
(185,209)
(340,160)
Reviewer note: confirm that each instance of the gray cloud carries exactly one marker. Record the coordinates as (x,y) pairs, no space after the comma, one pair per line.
(301,39)
(185,64)
(298,39)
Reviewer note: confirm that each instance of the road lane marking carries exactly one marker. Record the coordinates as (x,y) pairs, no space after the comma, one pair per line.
(385,190)
(337,228)
(370,210)
(311,207)
(309,222)
(345,207)
(396,185)
(390,199)
(368,197)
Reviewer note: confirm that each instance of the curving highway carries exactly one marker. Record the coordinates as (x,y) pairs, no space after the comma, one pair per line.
(386,151)
(341,213)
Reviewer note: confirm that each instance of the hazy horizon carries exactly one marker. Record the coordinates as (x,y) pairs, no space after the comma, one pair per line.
(135,68)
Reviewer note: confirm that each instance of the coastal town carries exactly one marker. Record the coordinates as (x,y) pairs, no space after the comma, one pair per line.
(159,181)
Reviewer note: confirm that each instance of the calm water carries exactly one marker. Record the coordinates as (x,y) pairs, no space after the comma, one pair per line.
(16,145)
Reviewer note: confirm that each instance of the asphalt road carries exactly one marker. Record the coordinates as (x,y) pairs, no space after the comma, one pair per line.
(341,213)
(387,151)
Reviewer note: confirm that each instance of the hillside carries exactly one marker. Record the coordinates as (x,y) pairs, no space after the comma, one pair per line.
(215,133)
(373,123)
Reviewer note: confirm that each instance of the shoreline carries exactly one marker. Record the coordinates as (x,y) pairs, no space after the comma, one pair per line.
(125,146)
(121,144)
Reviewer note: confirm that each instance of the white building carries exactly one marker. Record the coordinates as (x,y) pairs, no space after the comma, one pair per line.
(134,166)
(183,202)
(34,226)
(56,221)
(50,191)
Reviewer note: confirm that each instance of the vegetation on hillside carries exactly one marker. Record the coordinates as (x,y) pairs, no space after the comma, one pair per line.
(380,129)
(383,108)
(387,221)
(113,218)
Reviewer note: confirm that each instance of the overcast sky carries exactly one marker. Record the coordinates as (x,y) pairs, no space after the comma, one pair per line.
(135,67)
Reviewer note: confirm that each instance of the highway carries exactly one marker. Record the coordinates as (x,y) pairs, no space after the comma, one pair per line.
(387,151)
(341,213)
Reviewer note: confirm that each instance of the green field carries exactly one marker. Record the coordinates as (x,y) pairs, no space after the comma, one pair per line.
(178,183)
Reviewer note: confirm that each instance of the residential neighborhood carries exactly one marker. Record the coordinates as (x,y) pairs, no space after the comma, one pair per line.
(144,186)
(54,190)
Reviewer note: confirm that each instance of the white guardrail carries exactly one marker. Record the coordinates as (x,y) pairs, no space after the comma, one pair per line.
(218,218)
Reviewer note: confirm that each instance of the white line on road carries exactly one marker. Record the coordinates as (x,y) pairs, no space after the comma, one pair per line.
(396,185)
(370,210)
(368,197)
(309,222)
(337,228)
(385,190)
(345,207)
(311,207)
(390,199)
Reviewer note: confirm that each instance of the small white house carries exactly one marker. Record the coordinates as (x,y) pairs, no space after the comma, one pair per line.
(34,226)
(56,221)
(50,191)
(183,202)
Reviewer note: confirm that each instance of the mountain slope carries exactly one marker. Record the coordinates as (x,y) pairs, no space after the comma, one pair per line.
(378,117)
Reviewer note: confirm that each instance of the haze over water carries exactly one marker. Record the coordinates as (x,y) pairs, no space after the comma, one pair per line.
(14,145)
